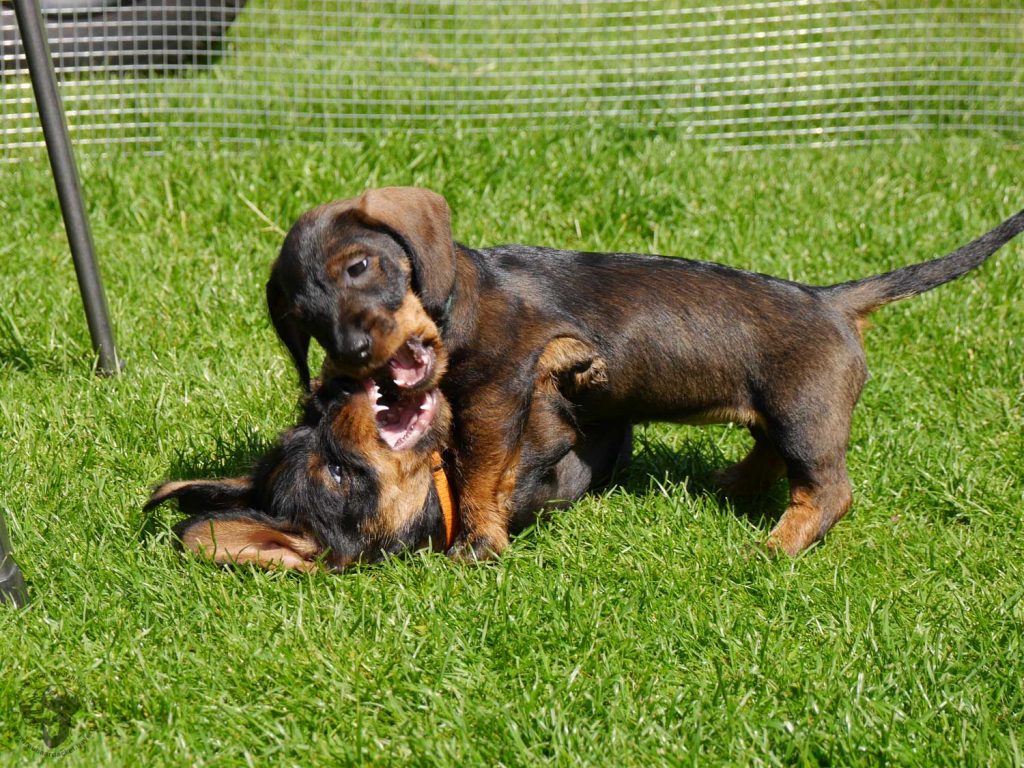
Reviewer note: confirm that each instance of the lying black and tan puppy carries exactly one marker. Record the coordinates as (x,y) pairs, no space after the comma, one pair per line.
(362,475)
(686,341)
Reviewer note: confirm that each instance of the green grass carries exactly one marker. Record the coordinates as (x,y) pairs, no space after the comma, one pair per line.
(641,627)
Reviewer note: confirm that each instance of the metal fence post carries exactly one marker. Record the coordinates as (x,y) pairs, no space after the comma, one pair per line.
(65,176)
(12,585)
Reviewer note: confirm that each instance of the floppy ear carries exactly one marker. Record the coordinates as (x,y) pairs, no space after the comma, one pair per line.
(248,537)
(294,337)
(204,495)
(422,219)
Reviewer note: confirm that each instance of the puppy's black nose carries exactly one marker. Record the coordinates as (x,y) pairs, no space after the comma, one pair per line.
(351,348)
(361,348)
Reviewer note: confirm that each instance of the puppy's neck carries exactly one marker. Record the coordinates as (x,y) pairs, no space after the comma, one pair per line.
(430,528)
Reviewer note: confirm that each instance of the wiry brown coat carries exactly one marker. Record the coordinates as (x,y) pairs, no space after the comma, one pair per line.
(678,339)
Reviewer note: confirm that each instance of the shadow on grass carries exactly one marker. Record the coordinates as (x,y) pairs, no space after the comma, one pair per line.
(13,350)
(689,469)
(15,359)
(232,455)
(686,469)
(19,354)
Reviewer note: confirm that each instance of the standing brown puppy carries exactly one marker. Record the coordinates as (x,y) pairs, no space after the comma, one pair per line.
(680,340)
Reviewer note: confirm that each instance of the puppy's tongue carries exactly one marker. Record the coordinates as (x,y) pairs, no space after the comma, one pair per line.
(402,421)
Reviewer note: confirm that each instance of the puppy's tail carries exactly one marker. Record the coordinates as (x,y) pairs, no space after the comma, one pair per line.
(868,294)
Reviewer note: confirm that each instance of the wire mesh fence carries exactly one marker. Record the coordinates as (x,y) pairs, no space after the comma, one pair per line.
(156,73)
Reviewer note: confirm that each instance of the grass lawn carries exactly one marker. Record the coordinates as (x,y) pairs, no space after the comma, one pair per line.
(641,627)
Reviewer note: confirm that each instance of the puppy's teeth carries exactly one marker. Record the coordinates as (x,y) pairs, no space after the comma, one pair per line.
(378,408)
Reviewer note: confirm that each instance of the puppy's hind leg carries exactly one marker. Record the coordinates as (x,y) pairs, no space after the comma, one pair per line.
(815,506)
(757,472)
(808,416)
(819,489)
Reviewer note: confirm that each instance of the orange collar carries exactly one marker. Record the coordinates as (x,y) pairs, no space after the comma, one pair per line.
(452,524)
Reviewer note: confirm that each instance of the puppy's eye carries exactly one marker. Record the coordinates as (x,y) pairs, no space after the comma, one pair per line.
(335,472)
(356,269)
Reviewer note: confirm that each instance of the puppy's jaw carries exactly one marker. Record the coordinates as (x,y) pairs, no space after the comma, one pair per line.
(404,475)
(404,420)
(408,349)
(387,427)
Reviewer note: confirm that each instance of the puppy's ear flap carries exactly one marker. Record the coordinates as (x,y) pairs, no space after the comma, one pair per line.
(204,495)
(295,339)
(248,537)
(423,220)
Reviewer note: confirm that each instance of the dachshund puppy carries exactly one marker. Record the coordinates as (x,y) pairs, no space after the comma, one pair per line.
(679,340)
(362,476)
(332,488)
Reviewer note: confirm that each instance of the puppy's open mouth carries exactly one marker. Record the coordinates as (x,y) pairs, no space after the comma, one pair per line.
(403,418)
(412,365)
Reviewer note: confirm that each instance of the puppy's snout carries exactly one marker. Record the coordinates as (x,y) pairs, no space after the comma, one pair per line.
(355,348)
(361,347)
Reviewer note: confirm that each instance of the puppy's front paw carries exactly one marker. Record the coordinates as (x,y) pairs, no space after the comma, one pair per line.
(590,374)
(574,365)
(475,549)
